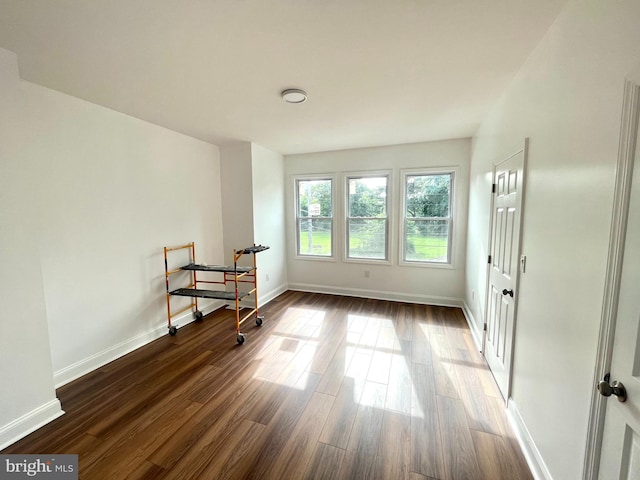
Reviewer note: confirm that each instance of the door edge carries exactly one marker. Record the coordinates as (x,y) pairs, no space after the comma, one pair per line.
(622,190)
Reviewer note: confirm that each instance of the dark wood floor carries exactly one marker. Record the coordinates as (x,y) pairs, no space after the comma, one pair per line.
(328,388)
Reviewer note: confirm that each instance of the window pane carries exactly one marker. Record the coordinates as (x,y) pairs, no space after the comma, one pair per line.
(367,238)
(314,236)
(427,241)
(314,198)
(368,197)
(428,195)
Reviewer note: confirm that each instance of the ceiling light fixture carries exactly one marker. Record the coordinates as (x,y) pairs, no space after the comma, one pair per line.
(294,95)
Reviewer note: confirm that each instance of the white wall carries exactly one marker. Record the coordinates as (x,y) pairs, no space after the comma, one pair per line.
(237,198)
(269,220)
(567,99)
(26,373)
(253,211)
(406,283)
(105,192)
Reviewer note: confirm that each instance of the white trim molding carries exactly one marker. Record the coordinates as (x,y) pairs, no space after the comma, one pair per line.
(379,295)
(622,192)
(476,333)
(529,449)
(30,422)
(82,367)
(270,295)
(93,362)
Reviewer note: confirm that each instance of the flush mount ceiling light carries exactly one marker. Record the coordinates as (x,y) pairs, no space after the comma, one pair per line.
(294,95)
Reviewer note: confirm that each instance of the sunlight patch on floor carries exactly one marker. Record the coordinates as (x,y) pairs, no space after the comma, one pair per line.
(377,362)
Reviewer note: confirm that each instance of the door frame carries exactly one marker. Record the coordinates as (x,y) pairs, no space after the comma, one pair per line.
(524,149)
(622,192)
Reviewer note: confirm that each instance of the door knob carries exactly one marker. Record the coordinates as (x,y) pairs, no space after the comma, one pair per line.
(508,292)
(616,388)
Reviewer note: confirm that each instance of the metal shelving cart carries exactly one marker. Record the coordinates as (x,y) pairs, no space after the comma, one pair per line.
(235,275)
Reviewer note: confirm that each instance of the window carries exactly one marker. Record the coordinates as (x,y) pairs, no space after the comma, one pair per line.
(427,217)
(314,216)
(367,222)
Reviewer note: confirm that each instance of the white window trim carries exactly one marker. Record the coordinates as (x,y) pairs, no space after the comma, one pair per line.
(455,172)
(316,176)
(345,219)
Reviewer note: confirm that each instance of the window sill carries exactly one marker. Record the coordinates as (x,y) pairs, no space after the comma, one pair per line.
(445,266)
(315,258)
(367,261)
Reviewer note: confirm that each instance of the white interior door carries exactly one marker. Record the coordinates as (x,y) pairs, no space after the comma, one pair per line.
(503,267)
(620,454)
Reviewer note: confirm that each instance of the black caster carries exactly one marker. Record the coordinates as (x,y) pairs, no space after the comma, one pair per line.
(173,331)
(198,316)
(240,339)
(259,321)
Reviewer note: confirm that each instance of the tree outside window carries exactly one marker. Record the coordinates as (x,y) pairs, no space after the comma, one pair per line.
(427,217)
(314,214)
(367,221)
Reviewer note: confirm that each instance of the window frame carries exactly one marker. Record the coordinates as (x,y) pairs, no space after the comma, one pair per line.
(296,234)
(404,174)
(387,219)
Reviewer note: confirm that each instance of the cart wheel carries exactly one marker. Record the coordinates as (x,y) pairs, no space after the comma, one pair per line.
(240,339)
(259,321)
(198,315)
(173,331)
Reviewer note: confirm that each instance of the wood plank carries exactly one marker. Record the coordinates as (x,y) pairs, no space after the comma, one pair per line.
(359,368)
(460,459)
(443,367)
(386,337)
(403,322)
(331,335)
(421,345)
(399,391)
(145,471)
(481,409)
(380,366)
(264,402)
(337,427)
(298,365)
(325,463)
(394,452)
(282,425)
(296,453)
(417,476)
(134,445)
(426,444)
(230,461)
(334,374)
(206,423)
(495,459)
(365,436)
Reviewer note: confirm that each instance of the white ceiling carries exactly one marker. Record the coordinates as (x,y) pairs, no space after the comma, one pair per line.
(378,72)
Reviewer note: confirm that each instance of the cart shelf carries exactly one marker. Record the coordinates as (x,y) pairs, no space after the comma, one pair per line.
(216,268)
(219,294)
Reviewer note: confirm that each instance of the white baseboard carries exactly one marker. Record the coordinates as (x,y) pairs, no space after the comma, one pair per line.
(476,333)
(379,295)
(531,453)
(267,297)
(263,299)
(30,422)
(97,360)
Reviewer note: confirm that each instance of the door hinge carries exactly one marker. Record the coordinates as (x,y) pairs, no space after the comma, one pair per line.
(493,188)
(489,260)
(484,329)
